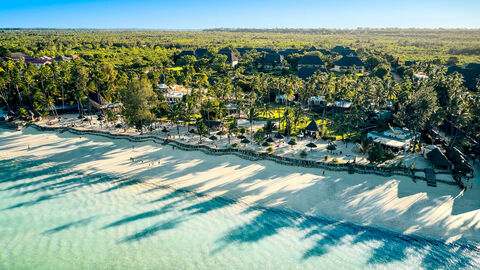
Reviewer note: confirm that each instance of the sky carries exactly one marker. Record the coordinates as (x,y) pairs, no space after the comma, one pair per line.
(190,15)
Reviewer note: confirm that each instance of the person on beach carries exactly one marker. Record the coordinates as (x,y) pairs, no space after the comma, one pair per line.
(323,174)
(28,146)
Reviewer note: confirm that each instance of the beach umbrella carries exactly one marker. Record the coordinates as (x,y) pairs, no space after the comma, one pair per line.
(270,140)
(265,144)
(213,138)
(241,137)
(311,145)
(221,133)
(331,147)
(292,142)
(279,136)
(245,141)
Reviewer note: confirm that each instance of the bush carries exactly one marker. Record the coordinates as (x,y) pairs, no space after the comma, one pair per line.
(377,154)
(329,138)
(303,154)
(270,149)
(335,160)
(234,145)
(325,157)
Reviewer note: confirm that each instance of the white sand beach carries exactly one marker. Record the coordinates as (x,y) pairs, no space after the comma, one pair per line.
(393,203)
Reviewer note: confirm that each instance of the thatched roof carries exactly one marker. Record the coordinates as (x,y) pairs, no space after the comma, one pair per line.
(313,126)
(438,159)
(311,145)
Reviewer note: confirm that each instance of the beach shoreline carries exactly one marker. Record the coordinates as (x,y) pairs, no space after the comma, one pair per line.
(391,203)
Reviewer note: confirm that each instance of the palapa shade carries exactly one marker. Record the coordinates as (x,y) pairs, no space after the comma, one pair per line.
(265,144)
(292,142)
(279,136)
(270,140)
(241,137)
(213,138)
(245,141)
(221,133)
(191,131)
(331,147)
(311,145)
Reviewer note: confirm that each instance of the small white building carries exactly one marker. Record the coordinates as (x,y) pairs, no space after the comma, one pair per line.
(282,99)
(316,100)
(349,63)
(420,76)
(173,97)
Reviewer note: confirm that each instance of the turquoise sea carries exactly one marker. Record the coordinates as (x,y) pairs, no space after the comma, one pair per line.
(54,216)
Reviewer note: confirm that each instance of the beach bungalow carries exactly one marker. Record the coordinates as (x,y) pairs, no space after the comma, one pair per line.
(395,138)
(310,61)
(312,129)
(349,63)
(232,58)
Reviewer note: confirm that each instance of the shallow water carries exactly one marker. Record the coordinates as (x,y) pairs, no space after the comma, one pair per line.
(52,217)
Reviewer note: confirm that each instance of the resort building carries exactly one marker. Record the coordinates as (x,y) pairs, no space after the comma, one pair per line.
(312,129)
(173,97)
(396,138)
(306,72)
(343,105)
(349,63)
(310,61)
(232,58)
(271,61)
(232,108)
(438,159)
(282,99)
(187,52)
(288,52)
(201,53)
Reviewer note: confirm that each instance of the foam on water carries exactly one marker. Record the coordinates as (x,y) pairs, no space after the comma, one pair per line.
(53,218)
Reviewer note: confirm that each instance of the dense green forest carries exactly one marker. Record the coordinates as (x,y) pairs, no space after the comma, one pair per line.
(127,66)
(408,44)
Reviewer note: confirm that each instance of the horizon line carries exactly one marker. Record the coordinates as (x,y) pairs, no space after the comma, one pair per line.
(237,28)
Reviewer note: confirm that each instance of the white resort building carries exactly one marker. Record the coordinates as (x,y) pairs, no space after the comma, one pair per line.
(396,138)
